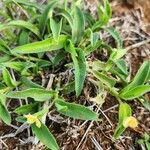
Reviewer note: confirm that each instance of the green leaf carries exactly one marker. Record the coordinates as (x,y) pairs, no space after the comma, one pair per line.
(22,24)
(55,27)
(18,66)
(44,16)
(8,79)
(67,16)
(122,66)
(67,89)
(104,14)
(4,114)
(36,93)
(124,112)
(79,62)
(119,130)
(114,57)
(27,82)
(30,4)
(145,102)
(80,71)
(78,26)
(45,136)
(23,37)
(116,36)
(134,92)
(75,111)
(94,37)
(141,77)
(104,78)
(41,46)
(26,109)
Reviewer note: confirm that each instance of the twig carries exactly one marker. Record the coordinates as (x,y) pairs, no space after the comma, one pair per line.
(137,45)
(96,143)
(106,118)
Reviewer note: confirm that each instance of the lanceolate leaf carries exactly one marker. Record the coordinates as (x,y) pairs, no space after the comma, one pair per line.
(22,24)
(79,62)
(8,79)
(18,66)
(30,4)
(56,28)
(4,114)
(41,46)
(104,78)
(44,17)
(141,77)
(145,102)
(45,136)
(135,92)
(67,16)
(80,70)
(35,93)
(75,111)
(26,109)
(78,25)
(116,36)
(124,112)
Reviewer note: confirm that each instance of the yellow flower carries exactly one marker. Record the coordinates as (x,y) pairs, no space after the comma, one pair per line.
(33,119)
(130,122)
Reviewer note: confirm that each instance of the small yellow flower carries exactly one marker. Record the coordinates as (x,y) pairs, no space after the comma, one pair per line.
(33,119)
(130,122)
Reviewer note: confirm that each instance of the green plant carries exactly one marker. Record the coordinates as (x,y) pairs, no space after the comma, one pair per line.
(145,141)
(54,37)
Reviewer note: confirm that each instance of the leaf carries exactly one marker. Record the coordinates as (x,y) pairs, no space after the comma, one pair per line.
(27,109)
(114,57)
(67,16)
(116,36)
(8,79)
(80,70)
(22,24)
(55,27)
(27,82)
(44,16)
(78,26)
(75,111)
(79,62)
(4,114)
(94,37)
(124,112)
(104,14)
(41,46)
(122,66)
(141,76)
(36,93)
(108,8)
(18,66)
(23,37)
(134,92)
(69,88)
(45,136)
(119,130)
(30,4)
(104,78)
(145,102)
